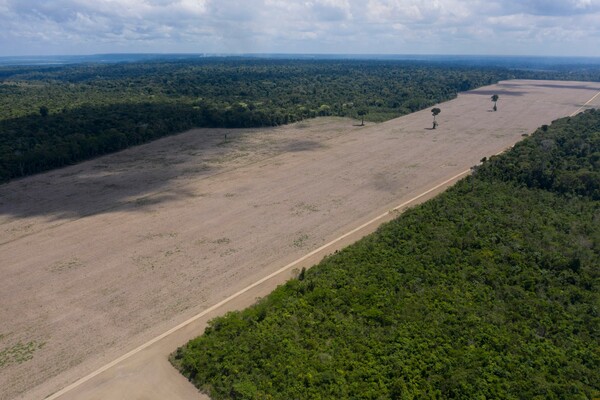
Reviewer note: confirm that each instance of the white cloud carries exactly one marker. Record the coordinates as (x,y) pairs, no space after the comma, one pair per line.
(340,26)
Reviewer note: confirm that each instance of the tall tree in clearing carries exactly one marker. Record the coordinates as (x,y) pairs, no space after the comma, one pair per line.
(495,98)
(435,111)
(361,113)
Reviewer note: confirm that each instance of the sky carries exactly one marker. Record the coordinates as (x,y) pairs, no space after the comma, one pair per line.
(480,27)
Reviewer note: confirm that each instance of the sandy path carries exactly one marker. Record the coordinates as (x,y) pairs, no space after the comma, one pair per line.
(98,258)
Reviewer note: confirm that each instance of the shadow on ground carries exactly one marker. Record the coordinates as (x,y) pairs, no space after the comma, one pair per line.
(303,145)
(498,92)
(551,86)
(136,179)
(140,178)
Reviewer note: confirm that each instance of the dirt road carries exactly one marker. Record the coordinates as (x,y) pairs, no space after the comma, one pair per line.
(99,258)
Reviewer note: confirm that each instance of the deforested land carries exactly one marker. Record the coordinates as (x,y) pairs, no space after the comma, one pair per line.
(490,290)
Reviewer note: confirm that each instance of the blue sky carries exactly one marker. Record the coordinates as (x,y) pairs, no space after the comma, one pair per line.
(510,27)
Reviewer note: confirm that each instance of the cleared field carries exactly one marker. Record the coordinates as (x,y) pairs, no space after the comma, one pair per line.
(102,256)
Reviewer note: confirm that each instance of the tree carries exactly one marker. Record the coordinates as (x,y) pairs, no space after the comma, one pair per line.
(435,111)
(495,98)
(44,111)
(361,113)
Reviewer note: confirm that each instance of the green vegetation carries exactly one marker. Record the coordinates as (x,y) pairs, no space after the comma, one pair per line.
(490,290)
(18,353)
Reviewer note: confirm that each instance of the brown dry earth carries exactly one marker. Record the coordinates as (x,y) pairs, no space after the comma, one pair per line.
(99,258)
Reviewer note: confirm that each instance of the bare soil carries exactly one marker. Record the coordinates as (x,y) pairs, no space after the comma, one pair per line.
(100,257)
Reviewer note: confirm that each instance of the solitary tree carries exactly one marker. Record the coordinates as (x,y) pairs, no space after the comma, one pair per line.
(361,113)
(495,98)
(435,111)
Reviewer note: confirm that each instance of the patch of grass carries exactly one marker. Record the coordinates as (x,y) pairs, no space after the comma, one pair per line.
(301,241)
(19,353)
(228,252)
(169,253)
(161,235)
(302,208)
(67,265)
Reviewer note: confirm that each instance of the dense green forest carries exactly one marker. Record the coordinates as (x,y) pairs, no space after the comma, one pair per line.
(54,116)
(490,290)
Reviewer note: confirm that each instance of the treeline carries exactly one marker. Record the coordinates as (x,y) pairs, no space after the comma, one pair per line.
(568,163)
(54,116)
(37,143)
(490,290)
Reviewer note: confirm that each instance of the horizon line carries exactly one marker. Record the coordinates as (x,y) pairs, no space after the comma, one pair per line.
(323,54)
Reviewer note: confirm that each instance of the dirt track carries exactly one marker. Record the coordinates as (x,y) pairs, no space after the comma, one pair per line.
(101,257)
